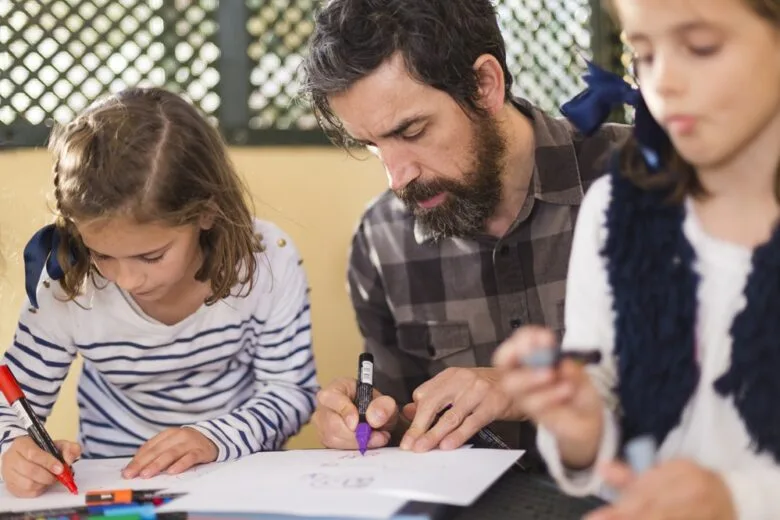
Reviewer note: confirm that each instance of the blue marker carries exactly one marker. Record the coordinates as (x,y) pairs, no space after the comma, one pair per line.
(550,357)
(365,390)
(640,453)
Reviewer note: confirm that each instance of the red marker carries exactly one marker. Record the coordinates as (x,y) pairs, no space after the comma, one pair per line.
(15,397)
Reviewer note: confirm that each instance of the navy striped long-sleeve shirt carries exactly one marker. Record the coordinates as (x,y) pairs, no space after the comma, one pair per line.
(240,371)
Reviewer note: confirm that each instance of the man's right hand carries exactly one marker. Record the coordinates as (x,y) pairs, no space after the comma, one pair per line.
(336,417)
(28,471)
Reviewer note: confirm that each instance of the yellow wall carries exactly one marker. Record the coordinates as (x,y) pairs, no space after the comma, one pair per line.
(315,194)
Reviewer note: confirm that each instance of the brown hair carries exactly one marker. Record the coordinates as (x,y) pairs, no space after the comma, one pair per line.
(439,40)
(149,155)
(679,175)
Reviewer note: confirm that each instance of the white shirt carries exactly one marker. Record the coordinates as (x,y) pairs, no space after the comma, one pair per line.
(240,371)
(710,432)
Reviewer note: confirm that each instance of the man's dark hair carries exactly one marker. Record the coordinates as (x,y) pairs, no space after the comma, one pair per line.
(439,40)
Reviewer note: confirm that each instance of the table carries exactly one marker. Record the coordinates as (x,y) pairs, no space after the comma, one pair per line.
(523,496)
(516,496)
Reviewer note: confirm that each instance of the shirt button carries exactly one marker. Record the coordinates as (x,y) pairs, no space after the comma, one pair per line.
(504,250)
(515,323)
(431,351)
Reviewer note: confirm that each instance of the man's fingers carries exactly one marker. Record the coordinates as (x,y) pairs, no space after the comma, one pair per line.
(473,422)
(409,411)
(333,431)
(382,413)
(423,418)
(378,439)
(338,399)
(447,423)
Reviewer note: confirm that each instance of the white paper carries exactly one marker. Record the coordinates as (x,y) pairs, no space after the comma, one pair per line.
(308,503)
(94,475)
(344,483)
(304,482)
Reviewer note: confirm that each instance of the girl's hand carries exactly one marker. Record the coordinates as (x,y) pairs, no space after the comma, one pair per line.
(174,450)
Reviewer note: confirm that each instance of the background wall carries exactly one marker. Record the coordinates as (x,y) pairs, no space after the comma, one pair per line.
(315,194)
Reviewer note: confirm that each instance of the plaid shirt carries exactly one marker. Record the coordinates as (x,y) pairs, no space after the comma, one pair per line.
(423,306)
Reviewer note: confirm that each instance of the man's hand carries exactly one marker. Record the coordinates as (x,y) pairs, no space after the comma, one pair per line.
(476,399)
(28,471)
(174,451)
(336,416)
(675,490)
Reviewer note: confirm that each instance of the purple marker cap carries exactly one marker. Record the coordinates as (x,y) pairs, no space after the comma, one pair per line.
(362,434)
(365,386)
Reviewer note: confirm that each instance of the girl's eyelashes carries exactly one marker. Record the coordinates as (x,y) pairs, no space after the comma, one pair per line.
(148,260)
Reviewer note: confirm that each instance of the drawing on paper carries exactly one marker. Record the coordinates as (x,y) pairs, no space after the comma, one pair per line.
(330,481)
(346,458)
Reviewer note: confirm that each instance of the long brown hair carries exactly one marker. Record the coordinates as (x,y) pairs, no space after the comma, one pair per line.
(678,175)
(149,155)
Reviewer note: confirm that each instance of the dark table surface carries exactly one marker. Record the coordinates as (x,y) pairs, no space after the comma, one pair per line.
(518,496)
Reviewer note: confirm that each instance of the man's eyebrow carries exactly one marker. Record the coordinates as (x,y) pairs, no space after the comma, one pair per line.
(403,126)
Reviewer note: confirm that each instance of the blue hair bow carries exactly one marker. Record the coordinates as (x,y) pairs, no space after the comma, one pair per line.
(41,253)
(589,109)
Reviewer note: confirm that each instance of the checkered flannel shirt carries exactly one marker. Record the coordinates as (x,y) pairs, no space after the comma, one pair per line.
(423,306)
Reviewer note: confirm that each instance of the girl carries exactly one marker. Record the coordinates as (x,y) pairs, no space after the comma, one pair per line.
(192,318)
(675,275)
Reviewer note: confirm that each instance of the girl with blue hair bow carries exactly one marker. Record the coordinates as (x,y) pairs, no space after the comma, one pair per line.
(675,276)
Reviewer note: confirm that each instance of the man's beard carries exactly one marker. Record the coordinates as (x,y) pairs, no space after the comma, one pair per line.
(470,202)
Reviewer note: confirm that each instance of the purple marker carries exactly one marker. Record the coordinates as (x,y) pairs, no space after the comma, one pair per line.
(365,390)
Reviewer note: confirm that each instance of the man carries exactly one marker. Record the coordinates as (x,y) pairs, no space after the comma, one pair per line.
(473,238)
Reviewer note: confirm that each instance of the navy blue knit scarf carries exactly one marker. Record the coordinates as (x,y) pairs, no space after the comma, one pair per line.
(651,271)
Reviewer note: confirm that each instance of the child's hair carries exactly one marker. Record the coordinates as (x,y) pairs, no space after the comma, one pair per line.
(149,155)
(679,175)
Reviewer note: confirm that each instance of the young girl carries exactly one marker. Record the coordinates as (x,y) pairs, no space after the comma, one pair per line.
(675,276)
(192,318)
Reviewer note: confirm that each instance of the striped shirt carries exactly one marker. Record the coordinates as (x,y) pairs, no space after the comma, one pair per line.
(424,306)
(240,371)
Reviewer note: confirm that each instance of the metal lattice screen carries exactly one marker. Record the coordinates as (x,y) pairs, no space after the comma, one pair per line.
(237,60)
(278,31)
(546,43)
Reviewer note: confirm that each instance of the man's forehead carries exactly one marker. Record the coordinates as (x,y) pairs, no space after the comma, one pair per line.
(380,101)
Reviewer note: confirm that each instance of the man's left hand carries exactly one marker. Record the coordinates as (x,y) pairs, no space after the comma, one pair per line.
(174,451)
(674,490)
(476,400)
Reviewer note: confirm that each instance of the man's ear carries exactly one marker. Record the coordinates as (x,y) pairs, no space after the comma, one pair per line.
(490,79)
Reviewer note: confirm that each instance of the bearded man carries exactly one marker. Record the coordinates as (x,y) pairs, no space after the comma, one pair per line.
(472,239)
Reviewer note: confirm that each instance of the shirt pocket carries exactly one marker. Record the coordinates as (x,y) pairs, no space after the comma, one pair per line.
(434,341)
